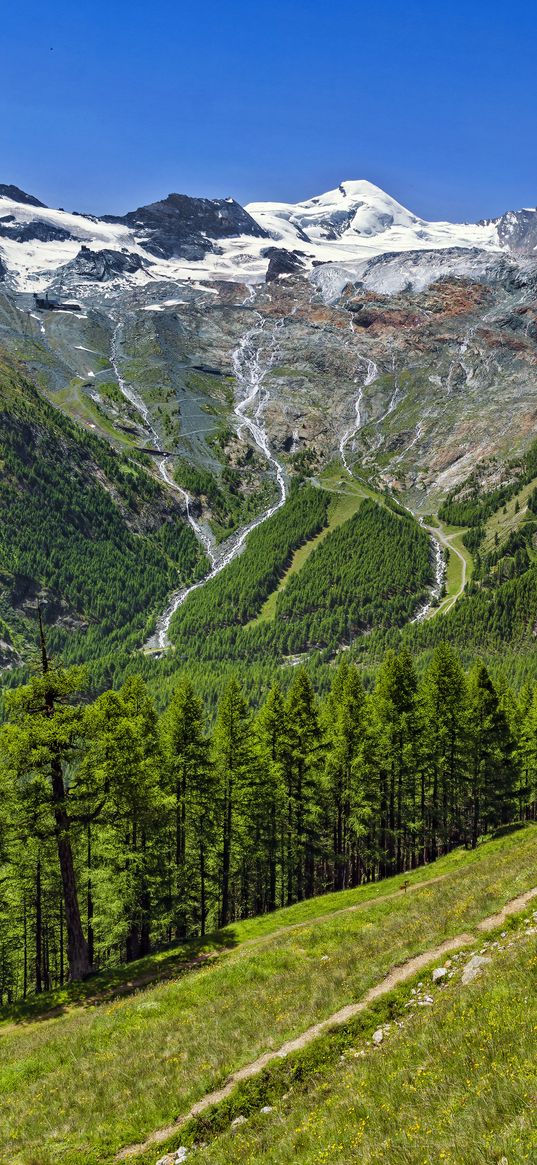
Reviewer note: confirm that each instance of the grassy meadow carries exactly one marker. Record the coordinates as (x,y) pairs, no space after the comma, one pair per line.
(82,1085)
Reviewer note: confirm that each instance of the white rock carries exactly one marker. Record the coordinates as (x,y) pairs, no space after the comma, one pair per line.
(267,1108)
(378,1036)
(473,968)
(181,1155)
(239,1120)
(439,973)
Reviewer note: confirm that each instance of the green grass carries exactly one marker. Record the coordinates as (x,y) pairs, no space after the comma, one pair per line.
(172,961)
(79,406)
(455,1086)
(503,524)
(348,497)
(453,537)
(81,1086)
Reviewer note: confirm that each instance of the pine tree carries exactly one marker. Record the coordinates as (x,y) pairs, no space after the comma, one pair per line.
(233,757)
(492,766)
(303,757)
(526,754)
(41,741)
(345,730)
(445,699)
(397,707)
(269,801)
(191,787)
(125,764)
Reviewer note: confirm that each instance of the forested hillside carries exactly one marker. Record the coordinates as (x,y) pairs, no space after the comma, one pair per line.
(122,830)
(86,531)
(373,571)
(228,785)
(496,616)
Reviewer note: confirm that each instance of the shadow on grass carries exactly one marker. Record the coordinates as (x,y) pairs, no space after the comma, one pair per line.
(123,980)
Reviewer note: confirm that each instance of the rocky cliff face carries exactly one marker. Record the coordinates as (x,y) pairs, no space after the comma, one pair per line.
(517,230)
(182,227)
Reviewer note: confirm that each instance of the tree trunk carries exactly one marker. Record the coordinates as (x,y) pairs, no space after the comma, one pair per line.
(271,904)
(25,965)
(226,855)
(62,953)
(90,901)
(38,931)
(203,908)
(77,948)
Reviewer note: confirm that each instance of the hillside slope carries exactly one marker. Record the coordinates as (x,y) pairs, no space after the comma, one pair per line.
(447,1075)
(87,533)
(143,1061)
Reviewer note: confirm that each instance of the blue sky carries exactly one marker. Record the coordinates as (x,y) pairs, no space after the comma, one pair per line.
(105,106)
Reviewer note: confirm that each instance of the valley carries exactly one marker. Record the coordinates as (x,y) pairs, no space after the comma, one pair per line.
(268,607)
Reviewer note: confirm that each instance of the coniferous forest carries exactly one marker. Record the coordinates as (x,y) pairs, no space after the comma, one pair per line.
(148,800)
(123,831)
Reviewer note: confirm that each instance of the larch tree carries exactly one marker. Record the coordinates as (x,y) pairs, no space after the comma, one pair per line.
(40,744)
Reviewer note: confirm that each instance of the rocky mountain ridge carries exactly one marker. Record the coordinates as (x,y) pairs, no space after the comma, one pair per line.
(341,327)
(185,237)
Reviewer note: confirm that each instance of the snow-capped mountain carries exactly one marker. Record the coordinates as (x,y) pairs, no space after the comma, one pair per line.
(361,219)
(183,238)
(364,332)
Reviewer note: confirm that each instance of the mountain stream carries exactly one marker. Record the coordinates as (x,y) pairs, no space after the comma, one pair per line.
(251,360)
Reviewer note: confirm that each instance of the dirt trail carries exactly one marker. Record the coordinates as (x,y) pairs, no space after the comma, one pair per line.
(396,976)
(513,907)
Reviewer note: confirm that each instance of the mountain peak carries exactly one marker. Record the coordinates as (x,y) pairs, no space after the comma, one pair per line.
(17,195)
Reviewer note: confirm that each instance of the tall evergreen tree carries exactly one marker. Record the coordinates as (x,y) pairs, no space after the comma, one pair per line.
(303,756)
(40,743)
(397,706)
(125,762)
(269,800)
(233,756)
(445,699)
(492,772)
(346,771)
(191,787)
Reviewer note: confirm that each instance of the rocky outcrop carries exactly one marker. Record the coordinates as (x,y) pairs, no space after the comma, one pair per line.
(42,232)
(24,594)
(474,968)
(282,262)
(102,265)
(183,227)
(18,195)
(517,230)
